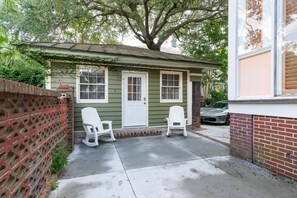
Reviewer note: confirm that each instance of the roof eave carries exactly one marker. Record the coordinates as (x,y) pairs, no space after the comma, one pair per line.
(133,60)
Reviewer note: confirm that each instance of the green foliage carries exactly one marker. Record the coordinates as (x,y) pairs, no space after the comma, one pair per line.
(16,66)
(8,52)
(86,21)
(209,42)
(55,185)
(60,157)
(55,20)
(217,95)
(26,74)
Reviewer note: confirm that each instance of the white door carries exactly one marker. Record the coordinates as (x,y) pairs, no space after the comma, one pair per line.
(134,100)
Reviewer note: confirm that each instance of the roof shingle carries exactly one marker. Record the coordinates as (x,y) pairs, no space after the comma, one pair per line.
(120,50)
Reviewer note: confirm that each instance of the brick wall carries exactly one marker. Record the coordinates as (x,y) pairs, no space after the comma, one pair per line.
(241,136)
(270,142)
(32,122)
(275,144)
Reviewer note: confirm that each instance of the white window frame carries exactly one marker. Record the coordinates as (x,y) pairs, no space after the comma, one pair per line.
(270,32)
(180,87)
(78,100)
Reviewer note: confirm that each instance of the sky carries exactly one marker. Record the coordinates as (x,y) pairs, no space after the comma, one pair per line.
(166,47)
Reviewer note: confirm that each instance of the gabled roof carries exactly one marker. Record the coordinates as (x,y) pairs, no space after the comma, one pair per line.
(119,50)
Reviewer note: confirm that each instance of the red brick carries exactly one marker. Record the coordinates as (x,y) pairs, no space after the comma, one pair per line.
(291,165)
(277,152)
(293,122)
(285,134)
(291,139)
(290,148)
(277,128)
(284,150)
(264,141)
(291,175)
(278,161)
(271,147)
(291,130)
(286,125)
(277,136)
(285,168)
(286,142)
(266,119)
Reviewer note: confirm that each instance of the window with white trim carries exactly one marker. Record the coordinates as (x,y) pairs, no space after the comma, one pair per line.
(92,85)
(254,23)
(287,47)
(171,86)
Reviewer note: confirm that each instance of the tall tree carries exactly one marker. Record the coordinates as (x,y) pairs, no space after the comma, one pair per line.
(151,21)
(154,21)
(55,20)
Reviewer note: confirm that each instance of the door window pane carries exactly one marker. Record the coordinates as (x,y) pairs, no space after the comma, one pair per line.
(134,89)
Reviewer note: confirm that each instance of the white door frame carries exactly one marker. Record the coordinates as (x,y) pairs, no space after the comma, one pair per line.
(146,94)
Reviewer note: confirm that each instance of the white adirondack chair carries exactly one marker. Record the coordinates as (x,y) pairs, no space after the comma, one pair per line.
(176,120)
(94,127)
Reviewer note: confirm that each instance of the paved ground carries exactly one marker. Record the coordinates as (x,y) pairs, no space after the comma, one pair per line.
(164,167)
(215,131)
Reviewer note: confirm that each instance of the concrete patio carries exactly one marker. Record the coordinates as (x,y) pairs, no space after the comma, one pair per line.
(158,166)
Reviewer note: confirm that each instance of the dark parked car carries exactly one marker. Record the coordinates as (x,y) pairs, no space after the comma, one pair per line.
(216,113)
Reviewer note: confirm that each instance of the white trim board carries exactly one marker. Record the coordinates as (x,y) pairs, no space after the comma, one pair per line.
(275,110)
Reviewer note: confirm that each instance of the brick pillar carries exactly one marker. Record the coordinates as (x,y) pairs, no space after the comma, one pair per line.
(196,121)
(70,111)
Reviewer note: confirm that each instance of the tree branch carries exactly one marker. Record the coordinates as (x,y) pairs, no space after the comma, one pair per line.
(165,35)
(163,23)
(146,18)
(138,36)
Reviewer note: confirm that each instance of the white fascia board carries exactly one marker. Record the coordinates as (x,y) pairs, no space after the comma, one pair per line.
(275,110)
(232,63)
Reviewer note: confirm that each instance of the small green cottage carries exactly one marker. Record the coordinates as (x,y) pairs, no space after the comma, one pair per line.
(133,87)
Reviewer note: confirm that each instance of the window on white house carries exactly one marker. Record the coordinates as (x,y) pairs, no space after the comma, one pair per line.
(92,85)
(287,47)
(254,25)
(171,87)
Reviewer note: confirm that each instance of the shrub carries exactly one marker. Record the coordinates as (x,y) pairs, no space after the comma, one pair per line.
(60,157)
(217,95)
(55,185)
(32,75)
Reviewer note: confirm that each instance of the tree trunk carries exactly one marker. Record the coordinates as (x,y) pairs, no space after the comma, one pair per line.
(153,46)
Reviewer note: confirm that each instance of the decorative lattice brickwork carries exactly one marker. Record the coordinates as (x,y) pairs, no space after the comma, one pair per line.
(32,122)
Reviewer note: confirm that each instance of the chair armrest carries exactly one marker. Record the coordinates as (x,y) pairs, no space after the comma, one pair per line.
(109,123)
(186,120)
(86,124)
(167,120)
(106,122)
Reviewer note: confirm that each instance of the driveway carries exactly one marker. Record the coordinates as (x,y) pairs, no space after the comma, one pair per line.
(158,166)
(217,132)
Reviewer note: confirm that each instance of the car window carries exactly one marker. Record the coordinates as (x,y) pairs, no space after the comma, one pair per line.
(219,105)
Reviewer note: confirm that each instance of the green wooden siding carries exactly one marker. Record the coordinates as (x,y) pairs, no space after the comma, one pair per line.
(113,109)
(159,111)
